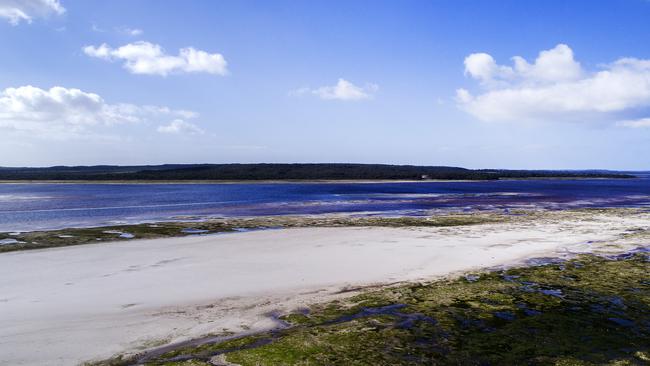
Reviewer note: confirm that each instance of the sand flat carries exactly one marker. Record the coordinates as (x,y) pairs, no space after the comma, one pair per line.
(63,306)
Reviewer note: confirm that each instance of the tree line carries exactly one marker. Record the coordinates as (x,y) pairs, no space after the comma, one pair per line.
(284,172)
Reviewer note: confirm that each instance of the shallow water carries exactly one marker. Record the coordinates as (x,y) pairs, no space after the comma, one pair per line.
(26,207)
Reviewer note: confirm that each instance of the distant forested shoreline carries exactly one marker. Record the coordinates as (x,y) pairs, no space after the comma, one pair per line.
(253,172)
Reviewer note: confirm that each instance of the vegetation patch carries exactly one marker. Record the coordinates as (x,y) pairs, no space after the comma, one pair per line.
(589,310)
(76,236)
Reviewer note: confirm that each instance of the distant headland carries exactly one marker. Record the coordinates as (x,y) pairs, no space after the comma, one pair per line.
(284,172)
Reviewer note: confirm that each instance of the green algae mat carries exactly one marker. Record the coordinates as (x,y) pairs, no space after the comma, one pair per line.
(93,235)
(586,311)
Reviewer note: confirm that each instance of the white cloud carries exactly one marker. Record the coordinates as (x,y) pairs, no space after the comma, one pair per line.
(133,32)
(554,65)
(482,66)
(62,111)
(555,87)
(126,31)
(16,11)
(179,126)
(635,123)
(151,59)
(343,90)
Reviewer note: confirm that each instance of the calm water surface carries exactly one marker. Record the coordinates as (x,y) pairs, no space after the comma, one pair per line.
(48,206)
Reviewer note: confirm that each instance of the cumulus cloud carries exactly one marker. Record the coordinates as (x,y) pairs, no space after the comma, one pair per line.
(16,11)
(483,67)
(179,126)
(554,87)
(551,66)
(148,58)
(343,90)
(61,110)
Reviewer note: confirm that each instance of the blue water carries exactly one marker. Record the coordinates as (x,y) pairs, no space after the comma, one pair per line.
(49,206)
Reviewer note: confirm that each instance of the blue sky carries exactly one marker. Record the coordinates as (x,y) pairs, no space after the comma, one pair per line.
(405,82)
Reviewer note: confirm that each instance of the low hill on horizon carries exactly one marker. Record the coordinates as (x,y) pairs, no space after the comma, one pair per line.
(273,171)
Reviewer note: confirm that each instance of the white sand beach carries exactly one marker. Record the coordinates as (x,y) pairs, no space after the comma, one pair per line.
(64,306)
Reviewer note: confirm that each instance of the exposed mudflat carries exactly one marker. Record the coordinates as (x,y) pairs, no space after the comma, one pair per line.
(88,302)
